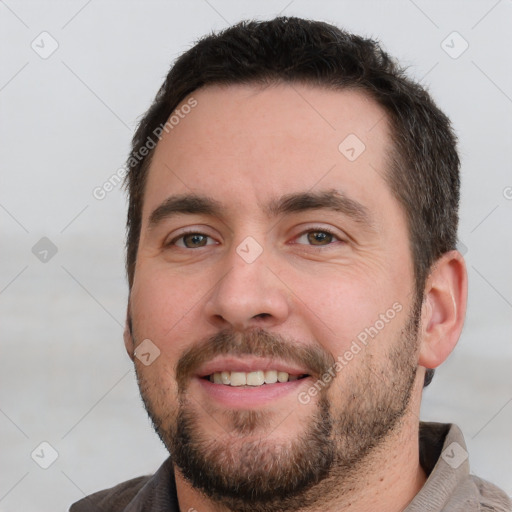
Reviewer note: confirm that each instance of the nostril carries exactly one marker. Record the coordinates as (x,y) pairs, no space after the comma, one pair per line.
(262,315)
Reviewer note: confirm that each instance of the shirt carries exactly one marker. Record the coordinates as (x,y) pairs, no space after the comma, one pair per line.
(443,456)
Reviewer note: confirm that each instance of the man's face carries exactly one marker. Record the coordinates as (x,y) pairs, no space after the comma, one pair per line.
(271,246)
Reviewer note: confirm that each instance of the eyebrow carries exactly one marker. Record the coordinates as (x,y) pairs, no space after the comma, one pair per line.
(185,204)
(324,200)
(290,203)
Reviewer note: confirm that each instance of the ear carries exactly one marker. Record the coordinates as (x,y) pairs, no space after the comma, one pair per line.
(444,309)
(127,335)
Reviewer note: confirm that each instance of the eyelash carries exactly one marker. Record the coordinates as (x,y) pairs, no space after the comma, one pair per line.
(310,230)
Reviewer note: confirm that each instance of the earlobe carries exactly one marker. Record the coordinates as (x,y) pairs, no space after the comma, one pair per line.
(128,334)
(444,309)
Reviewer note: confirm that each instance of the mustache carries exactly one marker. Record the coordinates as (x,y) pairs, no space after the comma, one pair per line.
(254,342)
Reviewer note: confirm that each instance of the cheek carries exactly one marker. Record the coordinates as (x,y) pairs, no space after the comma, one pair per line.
(348,312)
(343,300)
(163,310)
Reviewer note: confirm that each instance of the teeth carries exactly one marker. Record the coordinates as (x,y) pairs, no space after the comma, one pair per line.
(238,379)
(256,378)
(282,376)
(270,377)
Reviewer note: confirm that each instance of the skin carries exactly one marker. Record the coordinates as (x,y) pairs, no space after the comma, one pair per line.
(245,146)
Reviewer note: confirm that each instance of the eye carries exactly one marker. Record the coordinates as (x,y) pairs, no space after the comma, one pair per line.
(192,240)
(317,237)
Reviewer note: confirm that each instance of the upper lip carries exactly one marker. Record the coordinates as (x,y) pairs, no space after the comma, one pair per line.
(248,364)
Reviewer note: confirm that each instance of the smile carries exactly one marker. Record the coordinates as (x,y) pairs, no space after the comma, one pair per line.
(253,378)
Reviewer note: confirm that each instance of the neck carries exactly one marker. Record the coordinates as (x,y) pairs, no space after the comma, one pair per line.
(387,480)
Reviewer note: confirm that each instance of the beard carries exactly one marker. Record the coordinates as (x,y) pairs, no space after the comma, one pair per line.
(244,471)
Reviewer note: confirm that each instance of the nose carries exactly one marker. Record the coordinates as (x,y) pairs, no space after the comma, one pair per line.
(248,295)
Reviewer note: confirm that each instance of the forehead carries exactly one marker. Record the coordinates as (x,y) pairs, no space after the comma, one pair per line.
(245,144)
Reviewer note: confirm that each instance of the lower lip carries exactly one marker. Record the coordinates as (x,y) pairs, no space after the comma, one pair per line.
(248,397)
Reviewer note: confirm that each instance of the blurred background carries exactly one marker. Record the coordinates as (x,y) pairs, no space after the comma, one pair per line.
(74,77)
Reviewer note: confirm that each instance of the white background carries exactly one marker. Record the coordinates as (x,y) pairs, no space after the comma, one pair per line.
(65,126)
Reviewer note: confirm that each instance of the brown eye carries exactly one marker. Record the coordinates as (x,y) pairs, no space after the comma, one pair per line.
(319,238)
(192,240)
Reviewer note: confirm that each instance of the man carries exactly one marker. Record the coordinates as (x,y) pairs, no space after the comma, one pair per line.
(294,281)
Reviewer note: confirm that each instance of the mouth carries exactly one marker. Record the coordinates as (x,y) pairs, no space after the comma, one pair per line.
(249,381)
(252,379)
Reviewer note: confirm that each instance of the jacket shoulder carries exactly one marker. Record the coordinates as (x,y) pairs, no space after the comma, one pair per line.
(115,499)
(491,497)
